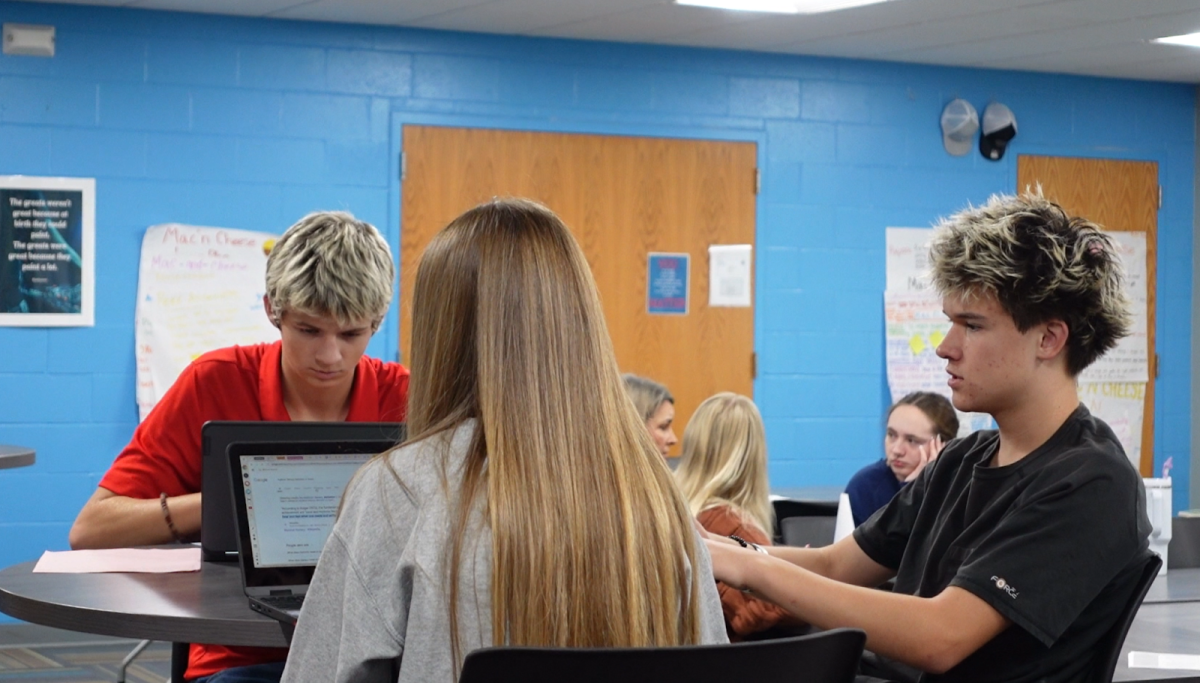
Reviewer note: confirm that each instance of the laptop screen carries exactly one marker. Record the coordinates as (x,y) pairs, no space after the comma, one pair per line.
(291,502)
(286,497)
(218,527)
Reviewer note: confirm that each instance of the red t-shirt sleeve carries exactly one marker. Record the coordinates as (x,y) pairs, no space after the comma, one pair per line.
(164,454)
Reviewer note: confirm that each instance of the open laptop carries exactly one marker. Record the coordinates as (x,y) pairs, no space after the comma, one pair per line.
(218,528)
(286,496)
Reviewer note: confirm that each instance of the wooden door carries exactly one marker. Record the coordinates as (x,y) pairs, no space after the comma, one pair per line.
(623,197)
(1120,196)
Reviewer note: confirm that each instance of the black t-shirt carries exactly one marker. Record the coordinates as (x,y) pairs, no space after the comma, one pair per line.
(1053,542)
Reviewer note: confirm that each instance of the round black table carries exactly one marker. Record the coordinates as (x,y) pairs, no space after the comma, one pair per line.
(208,606)
(16,456)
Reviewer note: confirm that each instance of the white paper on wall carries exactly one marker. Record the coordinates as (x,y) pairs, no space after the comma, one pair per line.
(1129,360)
(729,275)
(908,259)
(199,289)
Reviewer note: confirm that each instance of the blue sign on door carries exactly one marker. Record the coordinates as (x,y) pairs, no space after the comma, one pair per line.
(667,284)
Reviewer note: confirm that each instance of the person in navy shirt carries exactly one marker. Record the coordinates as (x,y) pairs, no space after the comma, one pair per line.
(918,425)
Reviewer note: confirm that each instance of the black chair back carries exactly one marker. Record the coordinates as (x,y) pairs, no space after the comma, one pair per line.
(825,657)
(1108,650)
(789,507)
(1184,549)
(815,532)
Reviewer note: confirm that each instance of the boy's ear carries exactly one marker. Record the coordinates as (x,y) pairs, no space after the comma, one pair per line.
(270,311)
(1053,341)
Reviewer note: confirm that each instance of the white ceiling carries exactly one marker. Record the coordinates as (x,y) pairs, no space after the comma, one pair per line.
(1092,37)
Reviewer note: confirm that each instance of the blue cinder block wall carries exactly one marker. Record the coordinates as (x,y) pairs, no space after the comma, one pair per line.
(250,123)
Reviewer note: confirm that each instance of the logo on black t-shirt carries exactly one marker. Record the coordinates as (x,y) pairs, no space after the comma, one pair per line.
(1005,586)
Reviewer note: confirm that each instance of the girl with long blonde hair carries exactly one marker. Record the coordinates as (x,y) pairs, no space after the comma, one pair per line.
(723,476)
(530,506)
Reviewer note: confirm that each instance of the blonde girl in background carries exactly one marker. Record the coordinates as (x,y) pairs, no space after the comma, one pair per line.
(723,476)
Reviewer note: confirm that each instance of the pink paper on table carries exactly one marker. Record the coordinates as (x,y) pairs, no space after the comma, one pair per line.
(133,560)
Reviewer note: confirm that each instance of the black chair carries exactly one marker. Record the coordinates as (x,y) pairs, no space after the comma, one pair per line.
(788,507)
(1183,551)
(825,657)
(1108,650)
(815,532)
(179,661)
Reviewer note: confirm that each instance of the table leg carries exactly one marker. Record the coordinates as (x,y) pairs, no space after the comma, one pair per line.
(179,661)
(133,654)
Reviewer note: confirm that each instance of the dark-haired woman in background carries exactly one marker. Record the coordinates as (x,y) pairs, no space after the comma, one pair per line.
(918,426)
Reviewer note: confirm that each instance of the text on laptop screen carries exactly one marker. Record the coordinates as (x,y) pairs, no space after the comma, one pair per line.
(291,502)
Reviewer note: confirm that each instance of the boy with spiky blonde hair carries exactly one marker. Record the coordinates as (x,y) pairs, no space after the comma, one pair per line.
(1013,552)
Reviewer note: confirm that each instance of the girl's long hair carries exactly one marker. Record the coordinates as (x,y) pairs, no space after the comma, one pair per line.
(591,541)
(724,459)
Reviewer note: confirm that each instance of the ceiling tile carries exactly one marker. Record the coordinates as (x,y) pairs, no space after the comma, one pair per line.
(1109,10)
(386,12)
(523,16)
(998,51)
(652,23)
(246,8)
(98,3)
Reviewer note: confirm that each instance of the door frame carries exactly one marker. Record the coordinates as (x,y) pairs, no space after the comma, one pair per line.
(389,332)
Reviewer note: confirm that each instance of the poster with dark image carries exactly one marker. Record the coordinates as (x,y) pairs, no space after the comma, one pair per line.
(41,251)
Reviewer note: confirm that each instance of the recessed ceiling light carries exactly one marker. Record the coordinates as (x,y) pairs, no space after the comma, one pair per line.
(814,6)
(779,6)
(1190,40)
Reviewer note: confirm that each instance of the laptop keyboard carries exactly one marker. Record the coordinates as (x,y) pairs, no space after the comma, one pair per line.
(284,602)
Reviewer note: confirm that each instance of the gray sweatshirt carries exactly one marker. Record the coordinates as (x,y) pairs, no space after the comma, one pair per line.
(377,603)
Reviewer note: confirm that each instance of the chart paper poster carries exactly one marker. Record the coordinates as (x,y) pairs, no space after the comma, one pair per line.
(908,259)
(199,289)
(729,275)
(1121,405)
(47,230)
(1129,360)
(914,327)
(667,284)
